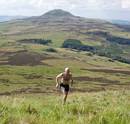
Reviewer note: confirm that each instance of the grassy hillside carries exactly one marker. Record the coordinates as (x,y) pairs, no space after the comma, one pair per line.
(109,107)
(88,31)
(100,93)
(93,72)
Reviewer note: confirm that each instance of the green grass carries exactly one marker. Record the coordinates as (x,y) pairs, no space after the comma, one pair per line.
(16,77)
(104,107)
(109,107)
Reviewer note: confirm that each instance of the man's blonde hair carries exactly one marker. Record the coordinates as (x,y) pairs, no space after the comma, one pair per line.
(66,69)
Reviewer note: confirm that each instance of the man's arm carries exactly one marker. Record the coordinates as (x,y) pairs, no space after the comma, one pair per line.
(57,79)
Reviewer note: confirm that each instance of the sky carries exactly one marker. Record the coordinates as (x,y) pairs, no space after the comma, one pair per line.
(105,9)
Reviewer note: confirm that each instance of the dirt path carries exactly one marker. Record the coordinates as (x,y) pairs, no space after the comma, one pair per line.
(109,70)
(100,79)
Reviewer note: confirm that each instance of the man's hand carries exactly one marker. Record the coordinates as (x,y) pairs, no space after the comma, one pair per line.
(57,85)
(58,77)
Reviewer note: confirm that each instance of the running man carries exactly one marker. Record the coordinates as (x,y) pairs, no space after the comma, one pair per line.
(63,80)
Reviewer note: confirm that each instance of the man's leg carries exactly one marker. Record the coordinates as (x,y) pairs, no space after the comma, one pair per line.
(65,97)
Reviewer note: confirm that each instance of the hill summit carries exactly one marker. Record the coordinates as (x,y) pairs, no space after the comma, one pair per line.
(58,13)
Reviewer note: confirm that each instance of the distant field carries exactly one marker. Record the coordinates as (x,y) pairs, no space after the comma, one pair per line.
(39,70)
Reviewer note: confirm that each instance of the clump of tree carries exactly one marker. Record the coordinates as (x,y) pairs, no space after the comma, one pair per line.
(77,44)
(36,41)
(112,51)
(114,54)
(110,38)
(119,40)
(121,59)
(51,50)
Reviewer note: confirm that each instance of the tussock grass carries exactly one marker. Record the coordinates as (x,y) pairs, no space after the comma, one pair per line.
(109,107)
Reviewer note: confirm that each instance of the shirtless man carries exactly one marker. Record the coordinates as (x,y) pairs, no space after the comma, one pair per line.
(63,80)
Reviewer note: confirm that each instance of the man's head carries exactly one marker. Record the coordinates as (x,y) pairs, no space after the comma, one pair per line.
(67,70)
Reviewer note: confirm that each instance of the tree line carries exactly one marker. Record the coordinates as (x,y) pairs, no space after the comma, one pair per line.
(36,41)
(78,45)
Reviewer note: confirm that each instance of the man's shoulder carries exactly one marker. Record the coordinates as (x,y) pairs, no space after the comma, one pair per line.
(61,74)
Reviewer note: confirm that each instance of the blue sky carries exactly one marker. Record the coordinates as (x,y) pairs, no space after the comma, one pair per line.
(107,9)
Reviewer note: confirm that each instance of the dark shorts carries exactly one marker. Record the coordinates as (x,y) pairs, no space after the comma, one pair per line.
(64,87)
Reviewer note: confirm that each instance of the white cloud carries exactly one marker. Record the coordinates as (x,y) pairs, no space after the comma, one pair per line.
(125,3)
(37,7)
